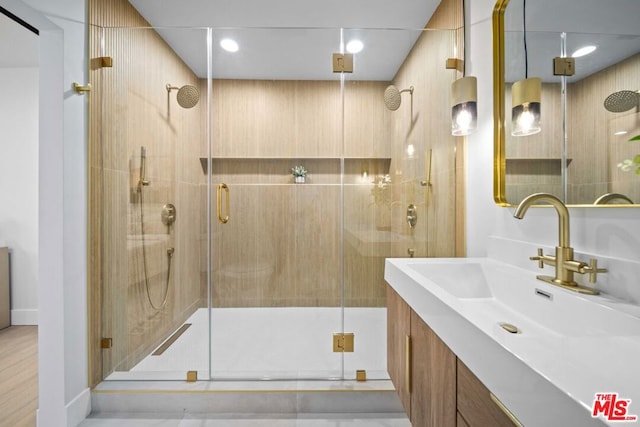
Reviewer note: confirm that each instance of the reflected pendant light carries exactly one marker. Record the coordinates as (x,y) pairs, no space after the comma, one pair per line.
(464,109)
(525,94)
(525,106)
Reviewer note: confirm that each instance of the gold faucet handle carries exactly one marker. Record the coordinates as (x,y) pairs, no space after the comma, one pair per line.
(539,258)
(593,270)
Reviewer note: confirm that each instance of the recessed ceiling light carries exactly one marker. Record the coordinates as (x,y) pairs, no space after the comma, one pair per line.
(229,45)
(354,46)
(621,132)
(583,51)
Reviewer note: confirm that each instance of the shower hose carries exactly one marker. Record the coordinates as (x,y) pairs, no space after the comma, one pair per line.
(144,261)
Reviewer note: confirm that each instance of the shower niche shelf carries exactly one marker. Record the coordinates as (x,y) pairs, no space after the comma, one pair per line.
(534,165)
(276,170)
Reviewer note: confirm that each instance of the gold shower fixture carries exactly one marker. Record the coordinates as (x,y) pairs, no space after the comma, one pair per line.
(392,98)
(188,95)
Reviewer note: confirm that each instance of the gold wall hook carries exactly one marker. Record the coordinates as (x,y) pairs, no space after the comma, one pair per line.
(81,90)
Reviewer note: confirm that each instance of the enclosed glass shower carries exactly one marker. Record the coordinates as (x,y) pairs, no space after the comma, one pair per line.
(208,257)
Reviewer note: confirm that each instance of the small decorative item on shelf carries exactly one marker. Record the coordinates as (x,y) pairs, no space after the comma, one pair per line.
(299,174)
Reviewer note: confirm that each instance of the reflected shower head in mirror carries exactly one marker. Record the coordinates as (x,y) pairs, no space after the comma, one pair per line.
(188,95)
(621,101)
(392,98)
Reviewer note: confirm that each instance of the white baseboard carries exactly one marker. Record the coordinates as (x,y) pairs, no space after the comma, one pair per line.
(79,408)
(24,317)
(76,411)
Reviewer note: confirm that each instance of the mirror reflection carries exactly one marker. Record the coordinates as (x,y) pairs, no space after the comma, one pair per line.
(584,152)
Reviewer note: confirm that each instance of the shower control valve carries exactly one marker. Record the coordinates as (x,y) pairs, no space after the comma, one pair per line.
(412,216)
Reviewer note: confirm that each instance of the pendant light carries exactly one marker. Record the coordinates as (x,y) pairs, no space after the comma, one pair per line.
(464,110)
(525,95)
(464,97)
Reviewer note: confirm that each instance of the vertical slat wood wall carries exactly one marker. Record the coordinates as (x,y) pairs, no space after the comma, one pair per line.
(591,140)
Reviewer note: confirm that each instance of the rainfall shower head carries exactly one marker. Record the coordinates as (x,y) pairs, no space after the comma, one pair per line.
(392,98)
(188,95)
(621,101)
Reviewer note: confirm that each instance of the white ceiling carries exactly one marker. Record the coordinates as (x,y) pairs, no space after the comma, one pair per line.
(290,39)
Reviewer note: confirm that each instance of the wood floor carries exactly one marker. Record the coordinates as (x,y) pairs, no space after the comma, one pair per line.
(18,376)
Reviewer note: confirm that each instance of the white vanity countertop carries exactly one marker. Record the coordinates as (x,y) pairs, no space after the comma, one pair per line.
(569,348)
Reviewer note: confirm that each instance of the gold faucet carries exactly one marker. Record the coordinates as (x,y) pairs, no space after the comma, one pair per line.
(563,260)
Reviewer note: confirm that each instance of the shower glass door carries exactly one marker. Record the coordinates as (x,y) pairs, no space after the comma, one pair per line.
(276,263)
(399,174)
(148,202)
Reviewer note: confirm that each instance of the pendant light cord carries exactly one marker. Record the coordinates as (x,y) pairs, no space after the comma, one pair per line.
(464,39)
(524,30)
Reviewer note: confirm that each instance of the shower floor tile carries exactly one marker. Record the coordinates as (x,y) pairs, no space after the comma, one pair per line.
(270,343)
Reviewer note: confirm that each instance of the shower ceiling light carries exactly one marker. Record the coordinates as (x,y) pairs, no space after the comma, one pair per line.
(229,45)
(464,109)
(586,50)
(354,46)
(525,102)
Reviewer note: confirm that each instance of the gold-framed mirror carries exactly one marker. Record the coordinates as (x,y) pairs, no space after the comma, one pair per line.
(583,153)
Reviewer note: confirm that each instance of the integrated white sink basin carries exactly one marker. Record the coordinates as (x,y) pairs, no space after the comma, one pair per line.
(568,345)
(462,280)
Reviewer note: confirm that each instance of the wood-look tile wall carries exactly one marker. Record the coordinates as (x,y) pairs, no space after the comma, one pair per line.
(591,142)
(439,231)
(295,260)
(282,245)
(131,108)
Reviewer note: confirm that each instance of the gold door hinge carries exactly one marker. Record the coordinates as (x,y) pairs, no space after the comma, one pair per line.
(361,375)
(343,63)
(192,376)
(101,62)
(454,64)
(106,343)
(343,343)
(106,61)
(564,66)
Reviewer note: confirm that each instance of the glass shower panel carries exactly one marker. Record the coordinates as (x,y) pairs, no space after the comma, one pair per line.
(399,179)
(149,188)
(276,288)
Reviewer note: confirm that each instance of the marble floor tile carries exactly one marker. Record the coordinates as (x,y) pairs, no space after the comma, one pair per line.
(248,420)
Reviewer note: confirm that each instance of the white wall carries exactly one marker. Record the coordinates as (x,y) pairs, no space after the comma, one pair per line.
(70,15)
(607,232)
(19,187)
(64,398)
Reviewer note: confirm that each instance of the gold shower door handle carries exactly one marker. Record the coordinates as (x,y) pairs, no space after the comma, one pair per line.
(221,219)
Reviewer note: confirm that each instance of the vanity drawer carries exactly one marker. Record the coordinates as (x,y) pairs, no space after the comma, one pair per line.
(475,406)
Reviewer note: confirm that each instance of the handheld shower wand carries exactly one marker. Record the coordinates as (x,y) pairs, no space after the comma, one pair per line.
(143,168)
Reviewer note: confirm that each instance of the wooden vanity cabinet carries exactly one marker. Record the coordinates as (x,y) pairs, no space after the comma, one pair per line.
(423,370)
(475,406)
(435,387)
(398,329)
